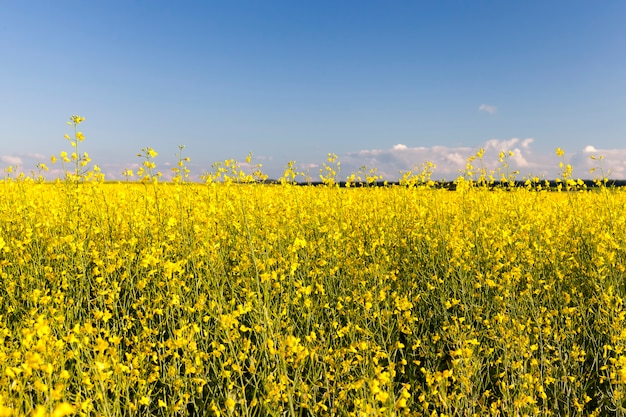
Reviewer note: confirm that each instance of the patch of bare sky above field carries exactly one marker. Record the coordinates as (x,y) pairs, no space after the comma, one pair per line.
(389,85)
(450,162)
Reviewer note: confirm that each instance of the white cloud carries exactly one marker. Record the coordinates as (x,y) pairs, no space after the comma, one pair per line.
(309,166)
(36,156)
(11,160)
(487,108)
(450,161)
(500,145)
(519,159)
(611,161)
(456,158)
(590,149)
(24,161)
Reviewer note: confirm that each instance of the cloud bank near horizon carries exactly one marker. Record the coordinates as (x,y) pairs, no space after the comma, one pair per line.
(450,162)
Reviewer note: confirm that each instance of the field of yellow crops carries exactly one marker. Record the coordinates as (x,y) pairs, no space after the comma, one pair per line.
(250,299)
(246,299)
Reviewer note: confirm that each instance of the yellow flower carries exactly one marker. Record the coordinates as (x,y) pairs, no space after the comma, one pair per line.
(39,411)
(63,409)
(76,120)
(230,404)
(40,386)
(5,411)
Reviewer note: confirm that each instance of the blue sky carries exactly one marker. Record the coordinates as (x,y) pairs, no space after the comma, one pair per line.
(383,84)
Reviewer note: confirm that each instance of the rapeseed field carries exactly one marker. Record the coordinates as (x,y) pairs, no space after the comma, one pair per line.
(232,297)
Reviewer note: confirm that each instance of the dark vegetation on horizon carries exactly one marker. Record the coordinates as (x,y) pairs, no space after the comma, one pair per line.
(451,185)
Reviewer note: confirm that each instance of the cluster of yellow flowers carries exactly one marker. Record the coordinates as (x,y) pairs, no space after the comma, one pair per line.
(247,299)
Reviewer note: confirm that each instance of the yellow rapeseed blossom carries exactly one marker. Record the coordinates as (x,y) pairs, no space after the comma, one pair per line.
(238,297)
